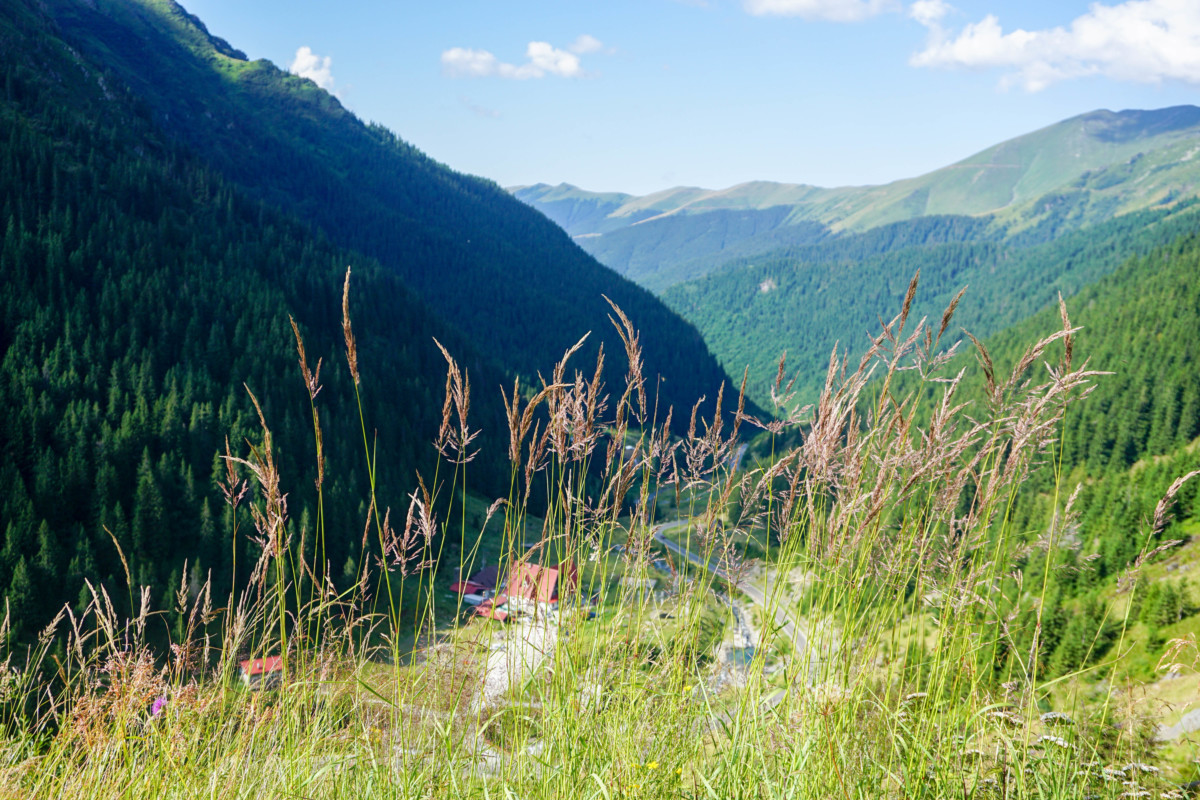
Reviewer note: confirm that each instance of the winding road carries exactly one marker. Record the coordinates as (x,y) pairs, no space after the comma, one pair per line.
(783,621)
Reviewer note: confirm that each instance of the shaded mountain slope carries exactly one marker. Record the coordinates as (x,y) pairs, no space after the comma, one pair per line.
(499,271)
(141,295)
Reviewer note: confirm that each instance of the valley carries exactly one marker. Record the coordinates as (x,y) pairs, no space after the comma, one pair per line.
(770,491)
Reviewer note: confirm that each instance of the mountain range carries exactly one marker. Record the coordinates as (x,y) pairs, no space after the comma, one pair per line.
(1074,173)
(767,268)
(1100,212)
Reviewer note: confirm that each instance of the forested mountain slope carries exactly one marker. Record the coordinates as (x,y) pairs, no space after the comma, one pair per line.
(1120,449)
(141,295)
(804,300)
(496,269)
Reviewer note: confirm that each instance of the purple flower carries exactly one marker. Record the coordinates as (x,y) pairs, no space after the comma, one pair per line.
(159,704)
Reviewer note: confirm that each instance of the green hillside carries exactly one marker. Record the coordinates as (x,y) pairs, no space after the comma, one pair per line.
(1081,171)
(498,270)
(804,300)
(1120,449)
(149,267)
(142,296)
(574,210)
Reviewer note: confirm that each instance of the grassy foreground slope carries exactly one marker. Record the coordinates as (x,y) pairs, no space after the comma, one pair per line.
(912,677)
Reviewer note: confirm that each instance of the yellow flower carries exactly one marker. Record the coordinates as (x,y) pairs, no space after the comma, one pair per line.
(652,765)
(679,770)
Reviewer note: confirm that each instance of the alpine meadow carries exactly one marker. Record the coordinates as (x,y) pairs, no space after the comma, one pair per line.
(328,470)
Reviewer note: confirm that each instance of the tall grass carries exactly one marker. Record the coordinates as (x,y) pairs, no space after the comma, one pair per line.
(885,665)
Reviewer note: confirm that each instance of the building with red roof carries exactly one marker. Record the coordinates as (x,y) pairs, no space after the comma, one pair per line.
(532,589)
(262,673)
(485,580)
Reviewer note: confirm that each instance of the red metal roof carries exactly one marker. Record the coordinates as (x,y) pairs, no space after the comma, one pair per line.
(540,584)
(531,582)
(262,666)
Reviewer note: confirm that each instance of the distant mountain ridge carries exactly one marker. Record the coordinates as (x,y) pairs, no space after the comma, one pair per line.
(1101,164)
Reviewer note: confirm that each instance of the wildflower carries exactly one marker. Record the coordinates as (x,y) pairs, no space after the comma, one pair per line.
(1057,740)
(1139,767)
(1057,718)
(157,707)
(1006,717)
(652,765)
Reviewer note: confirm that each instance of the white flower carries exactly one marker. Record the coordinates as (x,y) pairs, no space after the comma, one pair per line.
(1056,740)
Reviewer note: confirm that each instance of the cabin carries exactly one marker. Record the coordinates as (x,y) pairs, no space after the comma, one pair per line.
(262,673)
(493,608)
(479,587)
(532,590)
(485,580)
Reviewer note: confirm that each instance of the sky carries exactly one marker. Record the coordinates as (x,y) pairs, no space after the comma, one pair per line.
(641,95)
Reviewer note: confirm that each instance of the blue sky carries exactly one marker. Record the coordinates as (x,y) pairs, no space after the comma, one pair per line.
(641,95)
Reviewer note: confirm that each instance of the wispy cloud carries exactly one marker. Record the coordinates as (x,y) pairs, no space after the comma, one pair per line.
(1145,41)
(541,59)
(318,69)
(586,44)
(829,10)
(478,110)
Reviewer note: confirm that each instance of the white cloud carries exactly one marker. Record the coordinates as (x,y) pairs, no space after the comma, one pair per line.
(586,44)
(928,12)
(542,59)
(1146,41)
(318,69)
(545,59)
(463,62)
(830,10)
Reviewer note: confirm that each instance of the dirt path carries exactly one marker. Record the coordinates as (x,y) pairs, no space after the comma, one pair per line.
(515,654)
